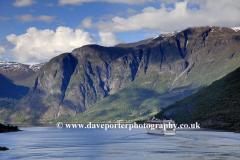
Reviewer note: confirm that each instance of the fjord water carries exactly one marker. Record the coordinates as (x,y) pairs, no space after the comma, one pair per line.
(54,143)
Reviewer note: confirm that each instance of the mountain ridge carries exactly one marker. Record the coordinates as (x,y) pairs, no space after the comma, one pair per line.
(94,79)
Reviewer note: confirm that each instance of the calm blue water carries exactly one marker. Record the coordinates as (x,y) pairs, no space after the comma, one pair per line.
(53,143)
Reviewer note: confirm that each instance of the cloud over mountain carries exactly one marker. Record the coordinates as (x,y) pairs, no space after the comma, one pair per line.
(184,14)
(41,45)
(37,46)
(109,39)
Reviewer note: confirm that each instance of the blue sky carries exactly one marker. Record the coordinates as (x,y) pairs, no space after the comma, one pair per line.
(34,31)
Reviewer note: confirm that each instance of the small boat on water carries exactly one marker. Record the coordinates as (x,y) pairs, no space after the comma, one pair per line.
(162,127)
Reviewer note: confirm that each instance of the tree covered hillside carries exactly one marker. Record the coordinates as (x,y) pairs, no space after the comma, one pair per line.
(216,105)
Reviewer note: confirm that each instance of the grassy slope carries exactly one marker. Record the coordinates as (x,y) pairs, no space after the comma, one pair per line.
(9,96)
(216,105)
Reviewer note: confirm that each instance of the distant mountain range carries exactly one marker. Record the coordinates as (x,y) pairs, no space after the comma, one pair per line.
(128,81)
(17,71)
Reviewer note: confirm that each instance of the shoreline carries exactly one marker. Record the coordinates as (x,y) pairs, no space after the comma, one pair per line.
(6,129)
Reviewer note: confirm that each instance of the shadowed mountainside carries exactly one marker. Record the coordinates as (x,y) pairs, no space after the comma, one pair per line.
(216,105)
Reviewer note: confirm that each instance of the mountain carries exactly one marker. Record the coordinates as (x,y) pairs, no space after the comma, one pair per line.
(10,90)
(17,71)
(15,82)
(12,75)
(143,43)
(129,81)
(216,105)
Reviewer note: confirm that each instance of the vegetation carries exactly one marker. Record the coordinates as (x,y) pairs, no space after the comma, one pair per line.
(8,128)
(3,148)
(216,105)
(138,100)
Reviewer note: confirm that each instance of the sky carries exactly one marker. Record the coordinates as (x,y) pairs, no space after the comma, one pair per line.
(34,31)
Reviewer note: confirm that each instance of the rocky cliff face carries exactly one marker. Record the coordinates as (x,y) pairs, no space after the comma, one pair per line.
(170,67)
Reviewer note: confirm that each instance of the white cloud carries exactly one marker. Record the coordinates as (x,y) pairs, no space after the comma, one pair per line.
(41,45)
(29,18)
(49,4)
(80,2)
(131,11)
(107,16)
(6,44)
(169,1)
(4,18)
(2,50)
(149,10)
(109,39)
(220,13)
(86,23)
(23,3)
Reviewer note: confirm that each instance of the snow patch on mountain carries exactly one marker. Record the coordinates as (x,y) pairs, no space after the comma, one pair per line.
(36,67)
(20,66)
(236,29)
(10,65)
(166,35)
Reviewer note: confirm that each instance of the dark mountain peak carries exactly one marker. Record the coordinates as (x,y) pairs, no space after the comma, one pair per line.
(135,44)
(106,54)
(202,31)
(215,30)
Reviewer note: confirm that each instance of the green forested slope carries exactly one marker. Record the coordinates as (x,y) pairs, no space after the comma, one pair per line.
(216,105)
